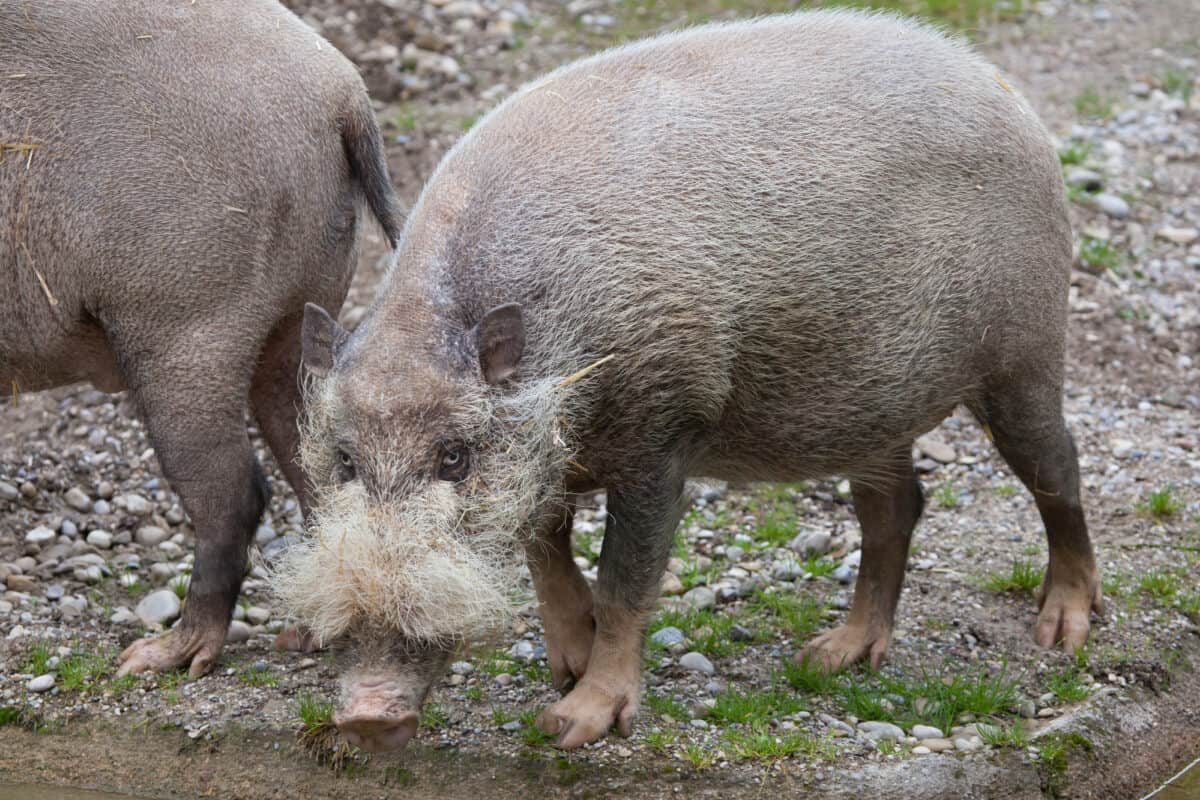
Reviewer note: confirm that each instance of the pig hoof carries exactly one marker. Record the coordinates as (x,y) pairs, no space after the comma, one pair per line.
(174,649)
(586,714)
(1064,614)
(843,646)
(569,650)
(296,639)
(378,733)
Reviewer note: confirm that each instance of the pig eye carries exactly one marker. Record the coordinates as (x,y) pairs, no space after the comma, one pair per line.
(345,466)
(454,462)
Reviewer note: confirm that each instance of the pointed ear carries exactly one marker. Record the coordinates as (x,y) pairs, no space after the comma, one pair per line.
(320,335)
(499,340)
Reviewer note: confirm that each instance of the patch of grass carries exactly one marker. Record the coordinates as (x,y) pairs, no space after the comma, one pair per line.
(531,734)
(11,715)
(699,756)
(800,617)
(1190,604)
(758,743)
(947,496)
(501,716)
(1013,734)
(708,630)
(777,525)
(37,659)
(665,706)
(818,567)
(474,693)
(24,717)
(179,585)
(1160,584)
(1052,753)
(1180,84)
(398,776)
(660,741)
(537,672)
(433,716)
(314,711)
(258,677)
(693,575)
(1007,489)
(1075,154)
(931,698)
(496,663)
(1067,686)
(1099,255)
(756,706)
(1022,578)
(587,545)
(404,120)
(1090,103)
(1161,503)
(81,671)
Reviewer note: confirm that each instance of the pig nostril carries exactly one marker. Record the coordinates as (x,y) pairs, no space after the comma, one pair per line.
(377,733)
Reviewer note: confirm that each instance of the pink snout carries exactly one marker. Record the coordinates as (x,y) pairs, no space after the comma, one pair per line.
(377,732)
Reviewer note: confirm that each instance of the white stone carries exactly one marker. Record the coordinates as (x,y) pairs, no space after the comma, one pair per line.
(697,662)
(42,683)
(40,535)
(101,539)
(927,732)
(158,608)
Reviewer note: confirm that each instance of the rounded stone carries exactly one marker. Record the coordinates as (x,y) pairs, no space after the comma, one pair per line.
(150,536)
(42,683)
(100,539)
(700,598)
(238,632)
(1112,205)
(158,608)
(41,535)
(697,662)
(77,499)
(881,731)
(667,637)
(927,732)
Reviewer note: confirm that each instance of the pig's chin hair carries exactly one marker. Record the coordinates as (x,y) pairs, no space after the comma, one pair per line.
(403,569)
(443,565)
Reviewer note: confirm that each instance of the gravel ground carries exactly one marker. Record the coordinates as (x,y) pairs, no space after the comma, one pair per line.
(94,548)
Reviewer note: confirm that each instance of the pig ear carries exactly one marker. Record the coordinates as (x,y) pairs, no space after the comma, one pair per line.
(499,340)
(320,335)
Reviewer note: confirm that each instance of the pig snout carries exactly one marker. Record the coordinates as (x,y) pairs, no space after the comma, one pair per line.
(377,717)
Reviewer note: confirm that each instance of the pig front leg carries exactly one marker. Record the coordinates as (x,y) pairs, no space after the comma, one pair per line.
(564,601)
(887,507)
(637,542)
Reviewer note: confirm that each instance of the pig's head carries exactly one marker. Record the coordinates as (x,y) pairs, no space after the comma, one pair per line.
(430,466)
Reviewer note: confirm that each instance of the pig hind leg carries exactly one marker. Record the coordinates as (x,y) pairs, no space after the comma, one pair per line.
(637,542)
(564,601)
(887,505)
(1024,420)
(194,408)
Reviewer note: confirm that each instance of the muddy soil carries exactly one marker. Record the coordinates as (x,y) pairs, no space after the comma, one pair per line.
(1111,80)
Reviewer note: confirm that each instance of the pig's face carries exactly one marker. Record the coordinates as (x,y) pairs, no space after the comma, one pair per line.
(428,475)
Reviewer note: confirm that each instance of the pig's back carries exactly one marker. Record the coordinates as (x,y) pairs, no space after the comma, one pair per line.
(799,228)
(178,145)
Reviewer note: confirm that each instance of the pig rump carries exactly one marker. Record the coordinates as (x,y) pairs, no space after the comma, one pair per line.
(439,565)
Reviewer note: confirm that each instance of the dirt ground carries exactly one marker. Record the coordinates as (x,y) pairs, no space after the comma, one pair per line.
(1116,84)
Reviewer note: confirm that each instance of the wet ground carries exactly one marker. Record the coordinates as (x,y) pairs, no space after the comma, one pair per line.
(1111,80)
